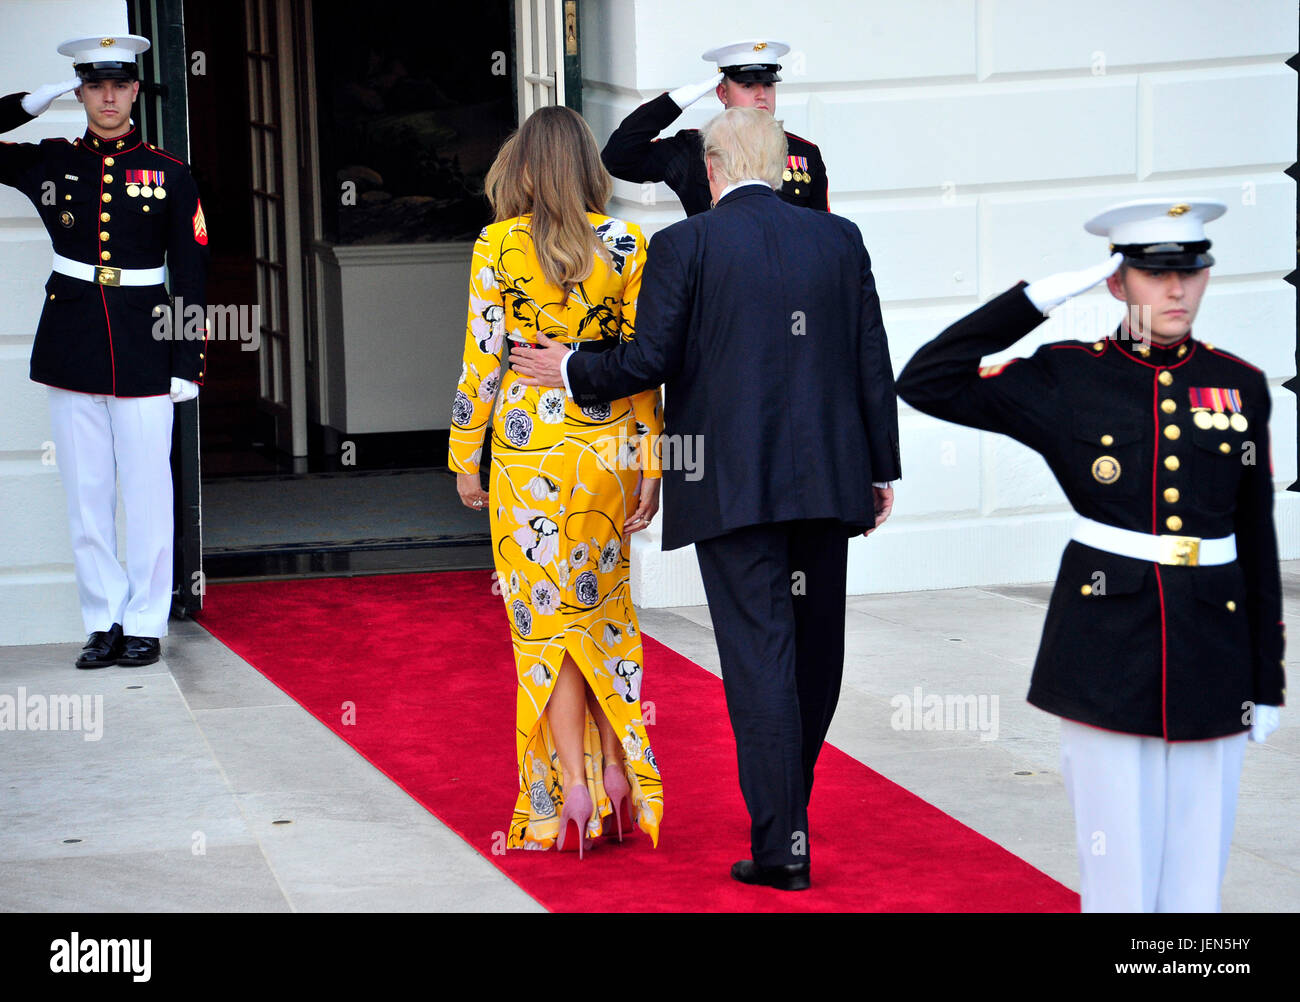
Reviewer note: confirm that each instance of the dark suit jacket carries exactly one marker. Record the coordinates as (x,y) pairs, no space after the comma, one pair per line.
(763,320)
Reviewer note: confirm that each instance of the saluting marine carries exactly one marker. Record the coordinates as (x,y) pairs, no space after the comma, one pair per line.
(747,74)
(117,209)
(1163,642)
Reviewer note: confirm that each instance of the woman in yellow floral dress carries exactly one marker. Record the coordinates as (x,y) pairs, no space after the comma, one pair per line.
(568,484)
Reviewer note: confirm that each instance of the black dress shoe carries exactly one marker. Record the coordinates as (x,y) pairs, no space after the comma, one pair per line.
(139,651)
(102,649)
(792,877)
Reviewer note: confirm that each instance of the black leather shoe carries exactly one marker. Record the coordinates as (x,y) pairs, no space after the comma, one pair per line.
(792,877)
(139,651)
(102,649)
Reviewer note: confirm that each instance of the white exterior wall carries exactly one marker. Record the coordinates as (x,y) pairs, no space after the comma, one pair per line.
(38,592)
(970,139)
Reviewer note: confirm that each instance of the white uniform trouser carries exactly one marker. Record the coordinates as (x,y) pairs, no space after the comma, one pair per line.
(1153,819)
(97,440)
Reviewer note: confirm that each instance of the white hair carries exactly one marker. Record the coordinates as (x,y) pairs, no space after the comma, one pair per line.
(745,143)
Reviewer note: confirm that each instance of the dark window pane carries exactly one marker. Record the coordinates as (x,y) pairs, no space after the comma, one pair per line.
(412,115)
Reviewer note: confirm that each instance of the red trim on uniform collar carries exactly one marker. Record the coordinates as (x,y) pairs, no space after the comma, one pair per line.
(124,143)
(1122,344)
(1173,344)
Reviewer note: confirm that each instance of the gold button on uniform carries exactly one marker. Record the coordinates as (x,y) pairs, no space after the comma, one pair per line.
(1105,469)
(1225,448)
(109,161)
(104,217)
(1107,439)
(1166,378)
(1174,522)
(104,255)
(1182,351)
(1171,463)
(1168,406)
(1086,590)
(1171,494)
(106,197)
(108,178)
(1172,431)
(1232,606)
(103,234)
(145,208)
(51,295)
(1097,346)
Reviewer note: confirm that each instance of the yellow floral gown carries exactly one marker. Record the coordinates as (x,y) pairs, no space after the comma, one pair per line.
(562,483)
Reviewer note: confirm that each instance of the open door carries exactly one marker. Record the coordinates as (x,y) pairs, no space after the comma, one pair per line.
(163,116)
(269,36)
(546,48)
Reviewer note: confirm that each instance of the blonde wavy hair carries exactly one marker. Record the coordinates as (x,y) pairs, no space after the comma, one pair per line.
(745,143)
(550,169)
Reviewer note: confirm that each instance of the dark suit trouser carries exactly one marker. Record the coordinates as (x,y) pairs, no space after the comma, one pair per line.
(776,595)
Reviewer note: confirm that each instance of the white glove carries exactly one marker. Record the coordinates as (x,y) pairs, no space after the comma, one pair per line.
(1052,291)
(182,390)
(1267,719)
(42,97)
(686,96)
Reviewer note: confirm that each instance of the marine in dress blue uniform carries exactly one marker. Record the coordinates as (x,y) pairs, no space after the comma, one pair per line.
(1163,642)
(117,210)
(633,153)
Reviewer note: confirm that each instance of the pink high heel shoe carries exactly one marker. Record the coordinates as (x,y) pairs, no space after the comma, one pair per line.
(619,793)
(577,808)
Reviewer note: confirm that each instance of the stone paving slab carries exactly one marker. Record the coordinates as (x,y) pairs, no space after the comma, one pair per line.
(175,804)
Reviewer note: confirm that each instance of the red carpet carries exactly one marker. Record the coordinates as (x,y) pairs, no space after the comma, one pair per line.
(426,660)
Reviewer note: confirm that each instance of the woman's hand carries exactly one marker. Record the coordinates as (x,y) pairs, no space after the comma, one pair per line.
(470,489)
(648,492)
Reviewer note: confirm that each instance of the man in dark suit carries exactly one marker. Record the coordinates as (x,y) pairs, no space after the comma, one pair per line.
(764,321)
(748,73)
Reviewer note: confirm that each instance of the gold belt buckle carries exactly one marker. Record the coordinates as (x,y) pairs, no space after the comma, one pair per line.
(1181,551)
(104,275)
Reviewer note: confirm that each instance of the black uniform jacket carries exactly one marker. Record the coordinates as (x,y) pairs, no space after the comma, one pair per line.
(764,321)
(1174,651)
(634,154)
(97,338)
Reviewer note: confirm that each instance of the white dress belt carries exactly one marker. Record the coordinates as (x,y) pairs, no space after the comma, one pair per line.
(1185,551)
(104,275)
